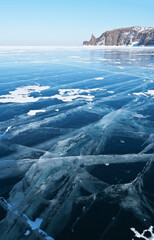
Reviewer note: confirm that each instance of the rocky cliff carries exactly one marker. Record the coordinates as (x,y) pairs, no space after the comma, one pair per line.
(135,36)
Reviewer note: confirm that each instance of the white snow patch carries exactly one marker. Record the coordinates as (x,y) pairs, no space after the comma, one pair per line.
(99,78)
(135,43)
(110,91)
(22,94)
(139,94)
(107,164)
(139,116)
(67,95)
(74,56)
(149,92)
(8,129)
(141,235)
(2,135)
(102,59)
(117,62)
(120,67)
(34,112)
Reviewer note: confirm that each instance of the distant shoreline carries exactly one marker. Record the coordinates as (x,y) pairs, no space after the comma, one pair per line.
(77,47)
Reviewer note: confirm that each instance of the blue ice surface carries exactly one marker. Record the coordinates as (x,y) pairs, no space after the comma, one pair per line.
(124,120)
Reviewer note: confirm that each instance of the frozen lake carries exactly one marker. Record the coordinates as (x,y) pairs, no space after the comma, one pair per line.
(84,117)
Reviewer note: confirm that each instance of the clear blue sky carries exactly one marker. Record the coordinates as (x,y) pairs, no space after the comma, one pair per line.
(68,22)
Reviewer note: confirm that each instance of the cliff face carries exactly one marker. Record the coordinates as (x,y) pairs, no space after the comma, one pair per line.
(124,36)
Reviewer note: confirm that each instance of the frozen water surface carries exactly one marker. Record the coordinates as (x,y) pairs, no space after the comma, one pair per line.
(76,143)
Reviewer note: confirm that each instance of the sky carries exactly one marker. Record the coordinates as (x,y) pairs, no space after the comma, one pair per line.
(68,22)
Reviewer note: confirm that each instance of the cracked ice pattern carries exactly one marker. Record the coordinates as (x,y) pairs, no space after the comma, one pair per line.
(77,142)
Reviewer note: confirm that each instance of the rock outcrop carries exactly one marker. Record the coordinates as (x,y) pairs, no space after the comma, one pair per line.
(135,36)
